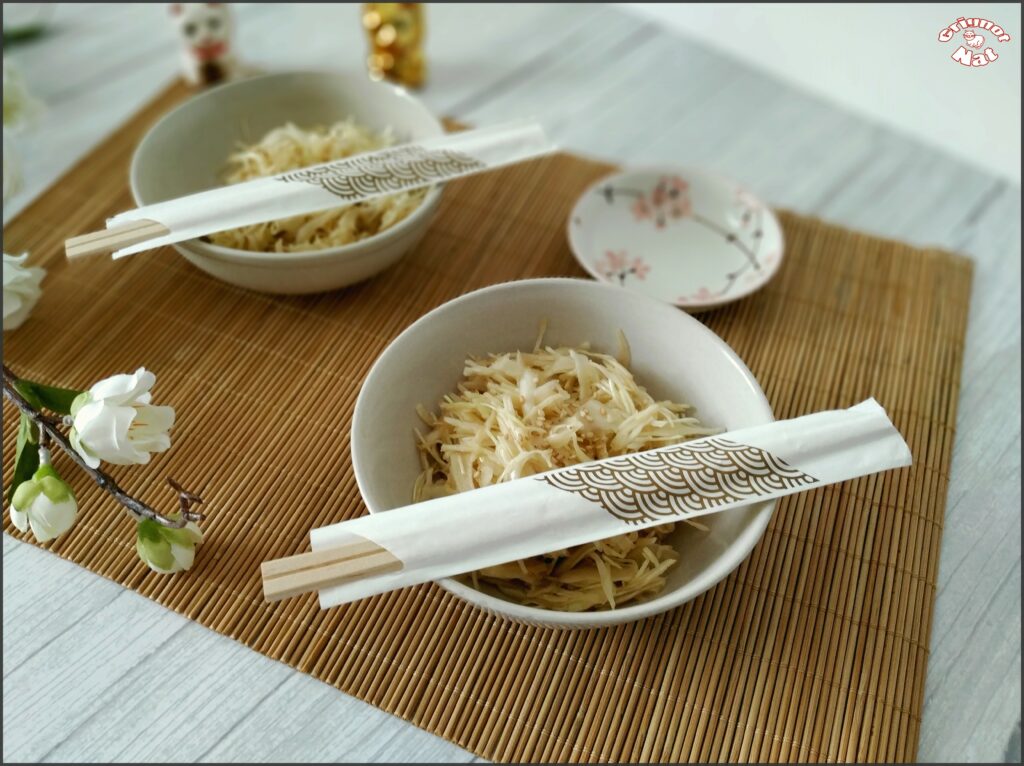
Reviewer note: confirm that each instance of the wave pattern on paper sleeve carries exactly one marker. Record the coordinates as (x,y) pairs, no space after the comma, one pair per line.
(680,480)
(385,172)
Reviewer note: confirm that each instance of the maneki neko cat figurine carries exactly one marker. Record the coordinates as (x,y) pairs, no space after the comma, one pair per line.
(205,30)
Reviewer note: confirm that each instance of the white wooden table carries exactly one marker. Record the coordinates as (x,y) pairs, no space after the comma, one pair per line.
(95,672)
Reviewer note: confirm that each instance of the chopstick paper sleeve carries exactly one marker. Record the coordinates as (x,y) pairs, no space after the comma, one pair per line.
(333,184)
(569,506)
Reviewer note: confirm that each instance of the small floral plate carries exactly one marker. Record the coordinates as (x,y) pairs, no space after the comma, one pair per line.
(686,237)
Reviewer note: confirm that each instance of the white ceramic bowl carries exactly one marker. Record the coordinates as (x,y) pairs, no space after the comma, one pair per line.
(685,236)
(185,152)
(673,355)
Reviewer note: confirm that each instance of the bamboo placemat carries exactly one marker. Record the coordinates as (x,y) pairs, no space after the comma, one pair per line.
(814,649)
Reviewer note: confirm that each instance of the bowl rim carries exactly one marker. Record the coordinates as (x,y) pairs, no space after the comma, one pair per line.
(739,549)
(693,170)
(424,210)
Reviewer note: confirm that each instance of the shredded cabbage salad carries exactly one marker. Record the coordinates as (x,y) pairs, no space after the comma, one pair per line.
(289,148)
(518,414)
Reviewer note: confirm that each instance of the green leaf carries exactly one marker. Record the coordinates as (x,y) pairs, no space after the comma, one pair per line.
(49,397)
(25,494)
(183,536)
(24,387)
(159,554)
(149,530)
(21,34)
(27,432)
(25,464)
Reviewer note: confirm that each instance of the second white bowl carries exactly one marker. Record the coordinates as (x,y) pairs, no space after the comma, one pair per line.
(673,355)
(186,151)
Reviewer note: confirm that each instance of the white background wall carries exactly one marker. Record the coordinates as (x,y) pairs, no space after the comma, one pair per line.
(882,60)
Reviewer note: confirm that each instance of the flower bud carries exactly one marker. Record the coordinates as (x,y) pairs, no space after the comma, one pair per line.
(45,503)
(166,550)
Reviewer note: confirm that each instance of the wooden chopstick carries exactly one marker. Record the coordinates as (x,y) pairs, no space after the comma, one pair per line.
(106,233)
(109,240)
(306,572)
(313,559)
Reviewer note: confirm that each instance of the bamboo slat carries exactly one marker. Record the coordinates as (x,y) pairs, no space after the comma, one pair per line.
(815,648)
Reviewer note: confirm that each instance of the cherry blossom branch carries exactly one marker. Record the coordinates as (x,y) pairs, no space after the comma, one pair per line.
(730,237)
(50,428)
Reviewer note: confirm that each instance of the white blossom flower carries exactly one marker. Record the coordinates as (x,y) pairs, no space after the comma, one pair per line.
(166,550)
(45,503)
(20,108)
(21,289)
(114,421)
